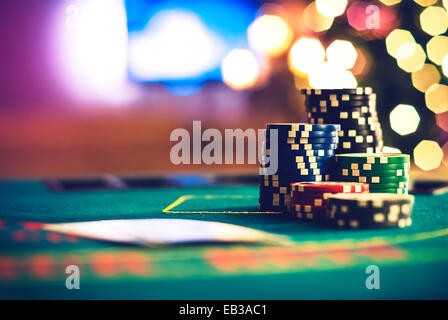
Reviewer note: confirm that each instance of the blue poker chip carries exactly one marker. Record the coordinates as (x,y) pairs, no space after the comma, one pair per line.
(288,153)
(307,140)
(300,165)
(309,146)
(303,127)
(311,140)
(298,172)
(283,180)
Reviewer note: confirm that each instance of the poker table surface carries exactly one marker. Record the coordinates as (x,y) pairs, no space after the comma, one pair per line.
(322,263)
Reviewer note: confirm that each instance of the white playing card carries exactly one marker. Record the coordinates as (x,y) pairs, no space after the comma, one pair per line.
(165,231)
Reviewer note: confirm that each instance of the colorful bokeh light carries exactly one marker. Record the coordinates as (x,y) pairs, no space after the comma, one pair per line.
(396,39)
(305,55)
(434,20)
(442,121)
(425,77)
(314,20)
(436,98)
(404,119)
(428,155)
(331,8)
(411,57)
(270,35)
(330,76)
(240,69)
(342,53)
(425,3)
(437,49)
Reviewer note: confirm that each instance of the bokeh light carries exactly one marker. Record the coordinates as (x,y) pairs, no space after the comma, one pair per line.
(404,119)
(425,77)
(437,49)
(445,66)
(436,98)
(434,20)
(331,8)
(95,69)
(240,69)
(445,154)
(342,53)
(428,155)
(269,34)
(314,20)
(330,76)
(305,55)
(411,57)
(387,149)
(390,2)
(374,19)
(362,63)
(396,39)
(442,121)
(425,3)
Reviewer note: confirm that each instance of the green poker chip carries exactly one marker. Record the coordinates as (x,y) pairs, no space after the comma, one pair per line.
(370,173)
(372,158)
(371,179)
(374,167)
(391,190)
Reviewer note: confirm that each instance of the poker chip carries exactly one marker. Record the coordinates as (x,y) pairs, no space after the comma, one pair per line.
(390,190)
(327,92)
(381,171)
(381,158)
(374,167)
(372,179)
(304,153)
(309,200)
(295,127)
(330,186)
(315,134)
(337,103)
(354,110)
(320,140)
(392,185)
(368,210)
(288,152)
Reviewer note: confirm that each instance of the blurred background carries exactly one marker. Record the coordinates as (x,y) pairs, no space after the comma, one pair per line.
(97,86)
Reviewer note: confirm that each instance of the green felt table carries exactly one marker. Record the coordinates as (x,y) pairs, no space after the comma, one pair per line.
(323,263)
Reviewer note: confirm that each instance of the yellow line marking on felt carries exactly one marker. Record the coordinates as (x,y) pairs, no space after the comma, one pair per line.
(184,198)
(347,243)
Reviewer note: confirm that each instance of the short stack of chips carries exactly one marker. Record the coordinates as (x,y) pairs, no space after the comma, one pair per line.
(304,152)
(309,200)
(384,172)
(354,110)
(369,210)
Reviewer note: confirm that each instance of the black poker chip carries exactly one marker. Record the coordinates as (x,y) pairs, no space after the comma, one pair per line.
(367,210)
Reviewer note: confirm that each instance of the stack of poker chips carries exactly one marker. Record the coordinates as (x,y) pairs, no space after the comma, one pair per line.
(304,153)
(384,172)
(370,210)
(354,110)
(309,200)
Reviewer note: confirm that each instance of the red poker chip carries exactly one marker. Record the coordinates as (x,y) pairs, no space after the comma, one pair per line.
(330,186)
(310,195)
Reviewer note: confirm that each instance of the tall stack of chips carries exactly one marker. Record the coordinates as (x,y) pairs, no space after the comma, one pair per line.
(309,200)
(304,153)
(384,172)
(369,210)
(354,110)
